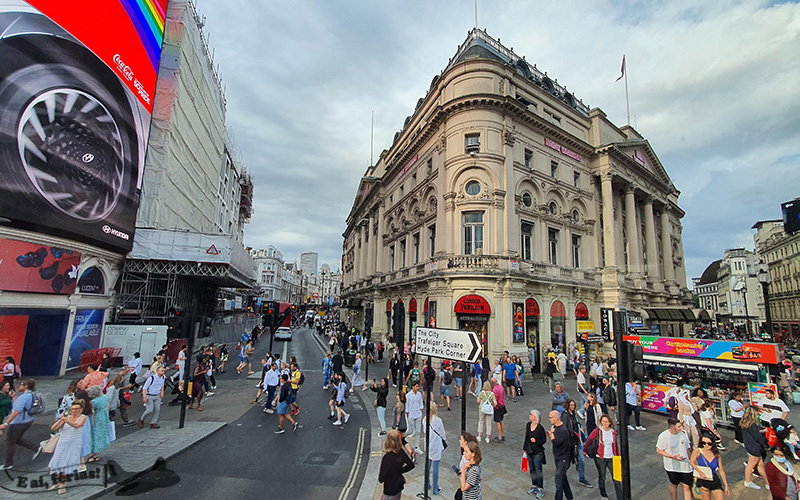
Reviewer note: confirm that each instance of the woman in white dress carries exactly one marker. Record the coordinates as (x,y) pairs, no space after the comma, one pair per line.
(67,455)
(357,380)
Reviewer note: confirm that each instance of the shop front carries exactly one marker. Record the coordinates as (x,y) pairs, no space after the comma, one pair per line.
(472,312)
(412,319)
(532,331)
(558,321)
(719,367)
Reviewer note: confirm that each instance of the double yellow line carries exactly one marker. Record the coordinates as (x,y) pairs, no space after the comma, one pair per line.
(351,479)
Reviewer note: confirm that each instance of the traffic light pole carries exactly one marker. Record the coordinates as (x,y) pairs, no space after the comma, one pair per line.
(187,371)
(271,330)
(622,407)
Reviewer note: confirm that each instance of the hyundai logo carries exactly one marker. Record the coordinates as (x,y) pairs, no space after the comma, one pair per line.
(106,229)
(88,158)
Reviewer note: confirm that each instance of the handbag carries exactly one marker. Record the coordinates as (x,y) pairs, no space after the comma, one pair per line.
(444,443)
(50,444)
(375,403)
(112,431)
(705,470)
(487,408)
(524,465)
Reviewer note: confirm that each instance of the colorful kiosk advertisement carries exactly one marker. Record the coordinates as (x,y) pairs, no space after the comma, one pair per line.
(720,367)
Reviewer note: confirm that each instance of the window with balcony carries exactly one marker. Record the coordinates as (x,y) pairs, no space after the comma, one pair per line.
(472,143)
(526,245)
(431,240)
(552,239)
(576,251)
(415,242)
(473,232)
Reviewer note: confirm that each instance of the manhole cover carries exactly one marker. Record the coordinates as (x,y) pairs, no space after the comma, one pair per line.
(317,458)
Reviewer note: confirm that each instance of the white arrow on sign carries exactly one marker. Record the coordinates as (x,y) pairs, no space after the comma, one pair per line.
(460,345)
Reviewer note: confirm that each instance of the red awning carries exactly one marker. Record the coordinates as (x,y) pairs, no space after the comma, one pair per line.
(557,310)
(531,307)
(581,311)
(412,305)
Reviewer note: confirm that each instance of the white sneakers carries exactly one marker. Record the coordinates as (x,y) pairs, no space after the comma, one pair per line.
(346,417)
(338,422)
(752,485)
(630,428)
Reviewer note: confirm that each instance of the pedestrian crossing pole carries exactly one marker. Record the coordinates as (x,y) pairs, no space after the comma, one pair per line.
(428,384)
(187,371)
(464,370)
(620,327)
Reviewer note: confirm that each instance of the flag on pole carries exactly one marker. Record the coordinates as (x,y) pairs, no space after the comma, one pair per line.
(622,70)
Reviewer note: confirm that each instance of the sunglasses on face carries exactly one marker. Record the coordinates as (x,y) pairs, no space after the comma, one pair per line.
(706,443)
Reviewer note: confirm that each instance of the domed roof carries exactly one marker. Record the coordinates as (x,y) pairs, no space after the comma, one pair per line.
(710,274)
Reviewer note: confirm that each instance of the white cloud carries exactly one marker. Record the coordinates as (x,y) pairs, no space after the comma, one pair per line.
(713,86)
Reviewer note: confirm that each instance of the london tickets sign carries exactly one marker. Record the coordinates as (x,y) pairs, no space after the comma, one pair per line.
(748,352)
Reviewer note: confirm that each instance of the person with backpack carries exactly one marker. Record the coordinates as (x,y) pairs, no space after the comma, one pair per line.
(27,405)
(445,381)
(602,447)
(413,375)
(380,403)
(11,372)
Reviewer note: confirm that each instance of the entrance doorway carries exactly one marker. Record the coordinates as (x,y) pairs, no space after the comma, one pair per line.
(477,325)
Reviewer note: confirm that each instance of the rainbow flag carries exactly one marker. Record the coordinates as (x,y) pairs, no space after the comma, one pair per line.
(148,17)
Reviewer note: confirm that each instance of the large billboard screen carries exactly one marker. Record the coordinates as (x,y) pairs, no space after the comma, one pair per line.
(77,81)
(31,267)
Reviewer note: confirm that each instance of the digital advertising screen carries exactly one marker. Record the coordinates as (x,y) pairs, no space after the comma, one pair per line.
(77,81)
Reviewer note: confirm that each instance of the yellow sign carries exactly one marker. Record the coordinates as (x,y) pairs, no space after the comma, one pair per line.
(585,326)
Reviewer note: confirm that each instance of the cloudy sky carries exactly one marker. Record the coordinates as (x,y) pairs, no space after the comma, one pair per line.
(714,86)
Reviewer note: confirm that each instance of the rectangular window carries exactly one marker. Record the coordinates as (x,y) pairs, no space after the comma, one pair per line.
(402,254)
(576,179)
(553,168)
(576,251)
(528,157)
(431,240)
(415,240)
(391,258)
(473,232)
(430,165)
(526,245)
(472,143)
(552,237)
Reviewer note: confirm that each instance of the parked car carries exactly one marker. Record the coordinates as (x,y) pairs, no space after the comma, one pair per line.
(283,333)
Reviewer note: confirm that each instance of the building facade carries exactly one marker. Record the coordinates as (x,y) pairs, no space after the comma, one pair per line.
(507,206)
(270,268)
(740,302)
(309,262)
(781,253)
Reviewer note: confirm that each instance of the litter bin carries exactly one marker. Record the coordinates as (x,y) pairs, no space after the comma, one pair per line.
(350,357)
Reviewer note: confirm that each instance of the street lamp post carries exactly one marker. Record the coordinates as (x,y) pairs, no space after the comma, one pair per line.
(763,278)
(746,313)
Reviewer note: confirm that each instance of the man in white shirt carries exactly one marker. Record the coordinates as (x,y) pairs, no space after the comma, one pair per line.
(135,365)
(772,407)
(271,384)
(583,388)
(152,394)
(414,406)
(673,445)
(632,404)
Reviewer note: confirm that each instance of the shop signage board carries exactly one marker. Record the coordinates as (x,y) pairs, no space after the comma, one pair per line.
(585,329)
(655,396)
(86,332)
(459,345)
(472,304)
(745,352)
(607,324)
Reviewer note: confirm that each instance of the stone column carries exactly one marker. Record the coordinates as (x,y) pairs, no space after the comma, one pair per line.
(653,270)
(666,244)
(634,255)
(379,251)
(609,238)
(371,249)
(363,253)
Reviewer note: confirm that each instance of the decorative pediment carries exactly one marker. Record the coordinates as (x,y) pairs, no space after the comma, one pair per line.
(640,155)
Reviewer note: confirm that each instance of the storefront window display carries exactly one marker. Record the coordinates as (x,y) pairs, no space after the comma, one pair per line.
(558,316)
(473,313)
(532,327)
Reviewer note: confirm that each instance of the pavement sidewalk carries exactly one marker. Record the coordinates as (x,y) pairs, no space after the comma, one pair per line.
(502,477)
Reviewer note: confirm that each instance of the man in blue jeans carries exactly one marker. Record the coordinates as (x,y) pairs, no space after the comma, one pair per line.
(562,454)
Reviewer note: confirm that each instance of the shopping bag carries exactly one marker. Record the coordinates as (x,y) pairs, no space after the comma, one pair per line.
(617,472)
(524,462)
(112,431)
(50,444)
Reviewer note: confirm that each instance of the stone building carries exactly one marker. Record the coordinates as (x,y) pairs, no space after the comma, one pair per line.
(507,206)
(781,253)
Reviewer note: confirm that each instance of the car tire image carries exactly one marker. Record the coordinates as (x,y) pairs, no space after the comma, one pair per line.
(66,143)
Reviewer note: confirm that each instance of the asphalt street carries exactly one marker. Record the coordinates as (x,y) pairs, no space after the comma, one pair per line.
(246,457)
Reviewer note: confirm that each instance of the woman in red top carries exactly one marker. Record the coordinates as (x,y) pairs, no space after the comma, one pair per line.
(604,438)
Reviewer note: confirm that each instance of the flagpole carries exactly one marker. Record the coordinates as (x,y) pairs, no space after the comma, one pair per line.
(627,102)
(476,14)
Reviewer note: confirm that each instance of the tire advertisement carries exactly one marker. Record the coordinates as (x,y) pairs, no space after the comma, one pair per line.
(77,81)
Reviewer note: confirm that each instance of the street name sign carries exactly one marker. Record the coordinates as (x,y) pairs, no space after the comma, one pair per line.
(459,345)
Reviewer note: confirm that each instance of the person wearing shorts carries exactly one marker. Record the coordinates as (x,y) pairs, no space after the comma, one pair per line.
(284,411)
(444,387)
(673,444)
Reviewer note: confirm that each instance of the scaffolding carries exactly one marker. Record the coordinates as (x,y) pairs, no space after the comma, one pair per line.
(153,287)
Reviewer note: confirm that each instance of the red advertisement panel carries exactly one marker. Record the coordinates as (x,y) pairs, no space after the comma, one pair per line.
(748,352)
(30,267)
(12,336)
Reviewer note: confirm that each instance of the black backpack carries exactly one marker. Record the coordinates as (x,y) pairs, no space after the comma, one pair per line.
(448,377)
(37,403)
(302,378)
